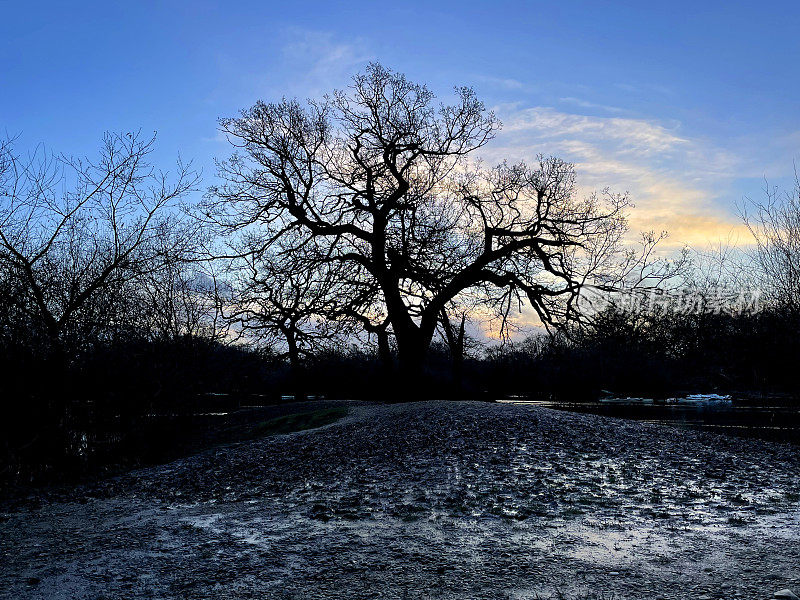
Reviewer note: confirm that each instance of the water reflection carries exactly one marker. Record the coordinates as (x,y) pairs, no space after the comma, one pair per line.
(771,419)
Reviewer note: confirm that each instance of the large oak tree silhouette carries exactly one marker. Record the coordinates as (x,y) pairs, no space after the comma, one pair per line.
(383,180)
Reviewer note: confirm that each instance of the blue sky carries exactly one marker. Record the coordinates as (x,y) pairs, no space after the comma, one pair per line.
(688,105)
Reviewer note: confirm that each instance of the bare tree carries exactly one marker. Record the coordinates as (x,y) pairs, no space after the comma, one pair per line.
(382,175)
(455,337)
(73,231)
(774,223)
(280,299)
(176,298)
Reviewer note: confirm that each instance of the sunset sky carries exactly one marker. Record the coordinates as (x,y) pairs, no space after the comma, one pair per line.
(687,105)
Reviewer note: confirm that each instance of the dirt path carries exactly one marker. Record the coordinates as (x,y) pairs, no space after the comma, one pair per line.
(429,500)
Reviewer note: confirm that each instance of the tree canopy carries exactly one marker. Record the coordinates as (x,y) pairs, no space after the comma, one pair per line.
(384,180)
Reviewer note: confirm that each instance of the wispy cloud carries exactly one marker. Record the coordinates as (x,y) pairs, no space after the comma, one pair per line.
(674,180)
(504,83)
(634,135)
(323,60)
(592,105)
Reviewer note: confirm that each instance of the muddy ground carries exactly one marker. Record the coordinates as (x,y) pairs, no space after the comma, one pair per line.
(427,500)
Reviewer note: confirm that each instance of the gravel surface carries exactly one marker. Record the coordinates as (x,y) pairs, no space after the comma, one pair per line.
(428,500)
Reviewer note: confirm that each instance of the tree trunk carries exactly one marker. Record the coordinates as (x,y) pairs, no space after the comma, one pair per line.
(384,351)
(411,353)
(455,344)
(58,393)
(457,357)
(295,369)
(412,350)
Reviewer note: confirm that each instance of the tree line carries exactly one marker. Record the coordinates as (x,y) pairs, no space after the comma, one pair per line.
(358,237)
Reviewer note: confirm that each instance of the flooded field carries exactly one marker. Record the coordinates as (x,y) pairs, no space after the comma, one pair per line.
(428,500)
(777,420)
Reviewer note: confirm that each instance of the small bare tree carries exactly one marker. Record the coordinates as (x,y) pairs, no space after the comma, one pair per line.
(178,300)
(774,223)
(277,300)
